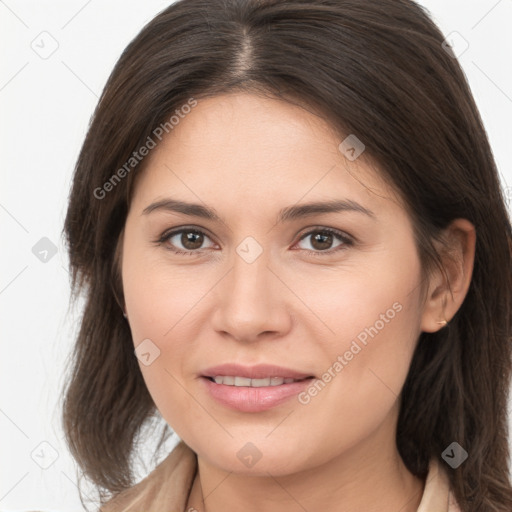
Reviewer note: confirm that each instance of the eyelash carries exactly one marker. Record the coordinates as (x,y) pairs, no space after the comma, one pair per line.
(347,241)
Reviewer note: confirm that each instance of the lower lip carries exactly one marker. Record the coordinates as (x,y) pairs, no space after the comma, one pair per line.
(249,399)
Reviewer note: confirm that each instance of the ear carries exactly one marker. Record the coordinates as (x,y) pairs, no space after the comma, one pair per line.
(446,293)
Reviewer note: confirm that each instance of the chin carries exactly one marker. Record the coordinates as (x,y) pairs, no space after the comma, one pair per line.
(252,458)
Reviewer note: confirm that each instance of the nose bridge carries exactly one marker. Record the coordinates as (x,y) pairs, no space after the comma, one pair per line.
(249,282)
(249,267)
(249,305)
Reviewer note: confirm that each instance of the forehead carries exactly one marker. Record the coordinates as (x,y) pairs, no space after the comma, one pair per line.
(256,151)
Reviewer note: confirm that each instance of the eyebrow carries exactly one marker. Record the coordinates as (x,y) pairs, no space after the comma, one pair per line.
(288,213)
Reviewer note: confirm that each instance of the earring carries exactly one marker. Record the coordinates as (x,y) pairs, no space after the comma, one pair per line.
(124,314)
(442,322)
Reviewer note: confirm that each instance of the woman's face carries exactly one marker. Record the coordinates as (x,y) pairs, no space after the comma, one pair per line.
(263,287)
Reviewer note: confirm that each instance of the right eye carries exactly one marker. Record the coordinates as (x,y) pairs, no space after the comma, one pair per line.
(191,239)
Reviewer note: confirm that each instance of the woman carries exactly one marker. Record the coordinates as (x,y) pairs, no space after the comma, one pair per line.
(289,228)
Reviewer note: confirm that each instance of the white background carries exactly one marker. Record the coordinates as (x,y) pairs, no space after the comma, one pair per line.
(46,105)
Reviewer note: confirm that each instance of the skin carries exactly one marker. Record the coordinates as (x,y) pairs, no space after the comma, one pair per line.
(248,157)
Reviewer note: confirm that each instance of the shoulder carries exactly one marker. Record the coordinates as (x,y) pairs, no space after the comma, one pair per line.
(168,484)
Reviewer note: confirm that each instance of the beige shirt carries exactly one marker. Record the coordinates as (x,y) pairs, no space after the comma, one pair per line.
(168,487)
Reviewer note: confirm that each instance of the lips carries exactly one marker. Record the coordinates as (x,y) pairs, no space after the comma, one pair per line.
(253,388)
(254,383)
(261,371)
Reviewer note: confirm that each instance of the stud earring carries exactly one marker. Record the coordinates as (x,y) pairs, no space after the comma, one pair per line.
(442,322)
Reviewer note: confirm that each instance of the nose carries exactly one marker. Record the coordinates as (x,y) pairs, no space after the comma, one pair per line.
(252,302)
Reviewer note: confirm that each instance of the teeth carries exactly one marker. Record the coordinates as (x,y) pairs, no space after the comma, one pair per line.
(242,381)
(254,383)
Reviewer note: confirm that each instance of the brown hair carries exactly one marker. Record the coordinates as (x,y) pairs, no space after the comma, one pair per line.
(376,69)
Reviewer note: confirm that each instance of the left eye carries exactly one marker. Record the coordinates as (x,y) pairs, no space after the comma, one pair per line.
(322,239)
(192,240)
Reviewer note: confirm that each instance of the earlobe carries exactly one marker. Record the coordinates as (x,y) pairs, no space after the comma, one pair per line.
(448,289)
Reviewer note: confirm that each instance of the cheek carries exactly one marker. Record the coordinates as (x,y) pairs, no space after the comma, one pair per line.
(161,307)
(375,319)
(158,297)
(377,299)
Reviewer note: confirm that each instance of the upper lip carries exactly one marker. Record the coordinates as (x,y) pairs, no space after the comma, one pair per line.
(259,371)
